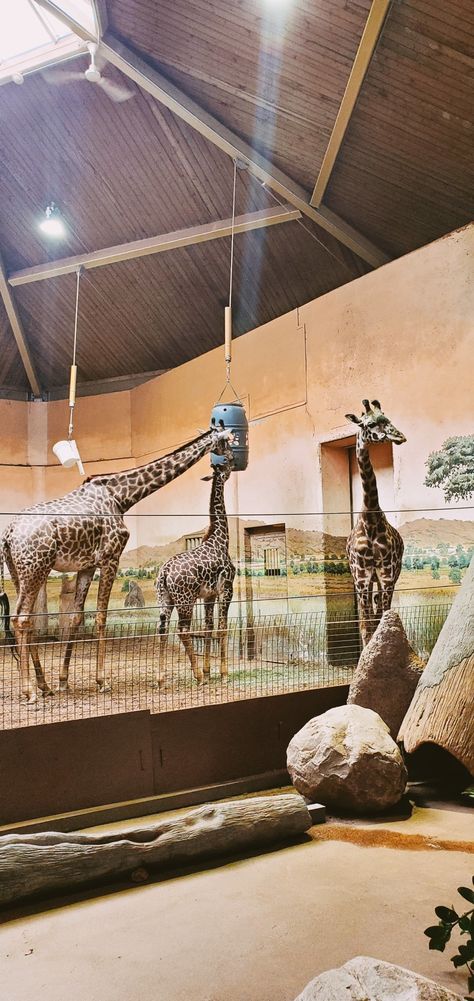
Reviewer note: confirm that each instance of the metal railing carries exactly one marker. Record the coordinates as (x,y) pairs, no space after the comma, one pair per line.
(266,655)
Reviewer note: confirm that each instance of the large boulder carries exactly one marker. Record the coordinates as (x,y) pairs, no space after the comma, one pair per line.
(387,674)
(347,760)
(367,979)
(442,709)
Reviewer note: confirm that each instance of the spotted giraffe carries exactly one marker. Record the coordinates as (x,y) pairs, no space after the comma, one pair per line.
(374,547)
(82,532)
(204,572)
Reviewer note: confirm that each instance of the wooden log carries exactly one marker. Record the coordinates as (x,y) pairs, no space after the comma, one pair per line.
(442,709)
(43,863)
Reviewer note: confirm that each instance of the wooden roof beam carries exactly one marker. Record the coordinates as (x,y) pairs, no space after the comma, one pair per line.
(70,22)
(157,244)
(229,142)
(19,333)
(99,8)
(370,36)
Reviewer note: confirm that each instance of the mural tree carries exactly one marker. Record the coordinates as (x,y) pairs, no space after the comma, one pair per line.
(452,468)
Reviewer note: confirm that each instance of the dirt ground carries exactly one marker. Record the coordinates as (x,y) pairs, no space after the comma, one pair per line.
(131,667)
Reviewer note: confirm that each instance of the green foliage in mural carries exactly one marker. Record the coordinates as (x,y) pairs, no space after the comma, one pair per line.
(452,468)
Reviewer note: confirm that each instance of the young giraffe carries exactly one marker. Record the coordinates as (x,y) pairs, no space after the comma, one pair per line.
(81,532)
(374,547)
(205,572)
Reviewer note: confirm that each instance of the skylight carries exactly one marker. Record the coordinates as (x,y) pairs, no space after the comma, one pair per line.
(32,36)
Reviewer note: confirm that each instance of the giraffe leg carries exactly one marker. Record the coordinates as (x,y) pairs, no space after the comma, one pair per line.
(386,596)
(365,586)
(40,678)
(23,623)
(209,625)
(375,600)
(165,615)
(107,577)
(184,623)
(224,604)
(83,583)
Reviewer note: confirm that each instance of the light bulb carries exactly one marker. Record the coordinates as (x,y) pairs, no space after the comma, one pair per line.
(53,224)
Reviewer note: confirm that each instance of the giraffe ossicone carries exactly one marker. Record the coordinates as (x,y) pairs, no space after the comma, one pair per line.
(374,547)
(82,532)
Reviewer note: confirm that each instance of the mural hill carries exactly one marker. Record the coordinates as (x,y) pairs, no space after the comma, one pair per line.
(300,543)
(422,534)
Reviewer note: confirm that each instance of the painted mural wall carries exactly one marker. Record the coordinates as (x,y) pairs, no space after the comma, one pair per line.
(402,334)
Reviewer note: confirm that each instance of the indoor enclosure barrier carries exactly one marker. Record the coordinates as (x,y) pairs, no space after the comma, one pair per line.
(266,655)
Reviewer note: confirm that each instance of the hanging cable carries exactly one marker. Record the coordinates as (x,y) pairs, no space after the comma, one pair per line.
(73,376)
(232,234)
(228,309)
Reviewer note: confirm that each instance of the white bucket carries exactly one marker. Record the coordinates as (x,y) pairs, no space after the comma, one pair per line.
(68,454)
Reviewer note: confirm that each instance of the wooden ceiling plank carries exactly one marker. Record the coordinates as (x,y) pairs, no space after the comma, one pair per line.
(154,83)
(70,22)
(157,244)
(19,333)
(370,36)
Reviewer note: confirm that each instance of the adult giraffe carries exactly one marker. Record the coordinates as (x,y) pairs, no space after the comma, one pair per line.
(204,572)
(374,547)
(82,532)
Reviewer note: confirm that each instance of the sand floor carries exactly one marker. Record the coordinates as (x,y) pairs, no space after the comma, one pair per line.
(257,928)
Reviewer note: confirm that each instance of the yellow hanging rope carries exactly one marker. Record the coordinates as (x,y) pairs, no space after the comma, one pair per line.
(73,375)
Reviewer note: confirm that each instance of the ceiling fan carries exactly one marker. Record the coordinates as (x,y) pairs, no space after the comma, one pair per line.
(92,74)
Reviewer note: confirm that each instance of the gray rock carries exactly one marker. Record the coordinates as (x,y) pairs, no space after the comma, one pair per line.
(347,760)
(367,979)
(387,674)
(134,597)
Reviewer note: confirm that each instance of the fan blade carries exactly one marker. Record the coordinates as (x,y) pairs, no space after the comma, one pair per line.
(114,90)
(60,76)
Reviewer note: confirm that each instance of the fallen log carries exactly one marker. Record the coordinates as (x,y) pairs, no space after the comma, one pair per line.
(44,863)
(442,709)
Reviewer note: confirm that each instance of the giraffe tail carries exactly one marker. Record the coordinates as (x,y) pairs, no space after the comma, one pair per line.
(5,604)
(160,593)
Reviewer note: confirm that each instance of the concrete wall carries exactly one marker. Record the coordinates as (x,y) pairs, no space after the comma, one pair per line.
(402,334)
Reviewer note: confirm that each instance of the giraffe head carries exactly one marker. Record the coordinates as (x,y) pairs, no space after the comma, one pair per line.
(222,462)
(374,426)
(222,439)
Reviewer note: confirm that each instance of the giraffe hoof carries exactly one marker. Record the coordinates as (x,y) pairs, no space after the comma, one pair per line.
(63,687)
(103,687)
(47,692)
(31,700)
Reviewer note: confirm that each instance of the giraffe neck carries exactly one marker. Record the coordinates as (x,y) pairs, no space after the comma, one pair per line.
(370,497)
(218,526)
(132,485)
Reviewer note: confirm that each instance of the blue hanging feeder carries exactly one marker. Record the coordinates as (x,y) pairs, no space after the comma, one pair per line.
(233,418)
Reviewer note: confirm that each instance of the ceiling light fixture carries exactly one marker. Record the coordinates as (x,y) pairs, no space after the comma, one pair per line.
(52,224)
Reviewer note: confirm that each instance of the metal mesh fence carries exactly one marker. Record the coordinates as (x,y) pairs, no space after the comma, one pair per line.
(267,655)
